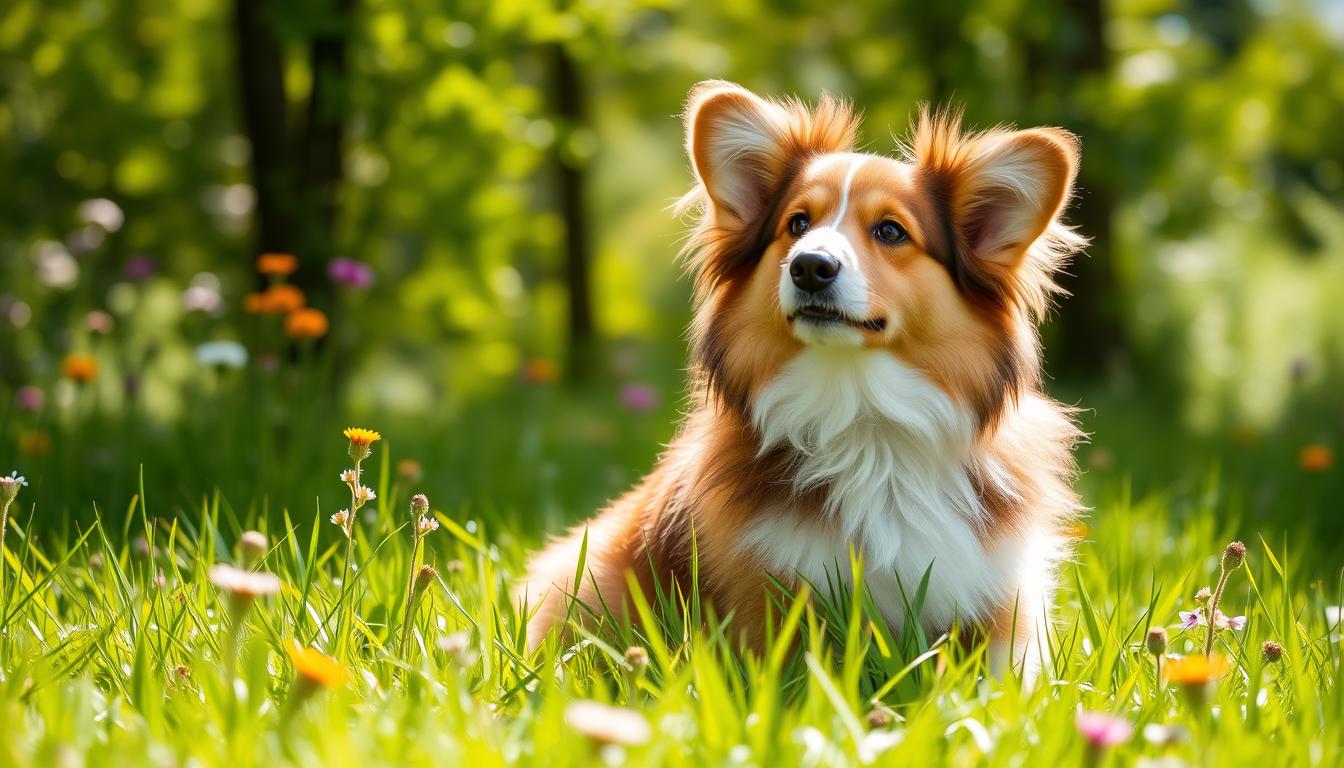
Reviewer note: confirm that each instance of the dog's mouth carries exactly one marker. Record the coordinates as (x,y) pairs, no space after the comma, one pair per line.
(816,313)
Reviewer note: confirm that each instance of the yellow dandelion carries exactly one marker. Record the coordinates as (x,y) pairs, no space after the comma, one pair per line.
(1195,670)
(315,667)
(362,437)
(277,264)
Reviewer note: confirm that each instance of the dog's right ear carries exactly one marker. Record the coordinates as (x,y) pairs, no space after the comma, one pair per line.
(738,145)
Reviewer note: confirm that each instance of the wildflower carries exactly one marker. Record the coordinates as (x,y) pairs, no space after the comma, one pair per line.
(253,545)
(1196,675)
(255,303)
(1164,735)
(1203,596)
(607,724)
(1157,641)
(1101,730)
(880,717)
(244,585)
(1315,457)
(279,299)
(140,546)
(409,471)
(346,271)
(99,322)
(365,494)
(202,295)
(1271,651)
(637,657)
(639,398)
(79,368)
(541,371)
(34,443)
(9,486)
(139,268)
(424,577)
(1233,556)
(160,581)
(342,519)
(426,526)
(348,476)
(360,440)
(1192,619)
(277,264)
(306,324)
(102,212)
(29,398)
(224,354)
(314,667)
(419,504)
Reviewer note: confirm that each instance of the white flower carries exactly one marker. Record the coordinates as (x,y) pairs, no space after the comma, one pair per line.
(237,581)
(341,518)
(608,724)
(365,494)
(349,477)
(426,525)
(9,486)
(228,354)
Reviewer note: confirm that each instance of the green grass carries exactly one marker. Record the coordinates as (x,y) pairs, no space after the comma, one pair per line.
(106,664)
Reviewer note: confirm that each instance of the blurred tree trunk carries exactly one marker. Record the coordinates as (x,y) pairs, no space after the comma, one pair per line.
(296,169)
(569,99)
(323,148)
(1086,331)
(262,90)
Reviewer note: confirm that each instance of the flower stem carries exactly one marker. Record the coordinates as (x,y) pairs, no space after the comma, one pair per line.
(408,621)
(1213,610)
(347,610)
(4,525)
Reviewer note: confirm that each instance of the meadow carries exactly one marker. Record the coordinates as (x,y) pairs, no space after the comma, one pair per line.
(142,627)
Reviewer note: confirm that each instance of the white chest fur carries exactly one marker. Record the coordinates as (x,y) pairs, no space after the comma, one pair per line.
(892,449)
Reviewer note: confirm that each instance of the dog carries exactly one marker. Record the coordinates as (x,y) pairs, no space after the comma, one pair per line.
(865,379)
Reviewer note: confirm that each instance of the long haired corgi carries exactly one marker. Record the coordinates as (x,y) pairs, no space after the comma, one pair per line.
(865,378)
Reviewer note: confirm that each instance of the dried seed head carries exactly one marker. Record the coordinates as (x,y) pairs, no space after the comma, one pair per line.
(424,577)
(419,505)
(880,717)
(1271,651)
(1234,556)
(1157,641)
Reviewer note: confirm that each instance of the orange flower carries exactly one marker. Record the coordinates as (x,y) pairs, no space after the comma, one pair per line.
(315,667)
(255,304)
(1315,457)
(277,300)
(306,324)
(539,370)
(278,264)
(34,443)
(80,368)
(1195,670)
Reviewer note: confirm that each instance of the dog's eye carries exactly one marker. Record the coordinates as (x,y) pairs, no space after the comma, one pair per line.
(798,224)
(890,232)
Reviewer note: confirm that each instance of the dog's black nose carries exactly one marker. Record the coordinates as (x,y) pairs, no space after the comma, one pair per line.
(813,271)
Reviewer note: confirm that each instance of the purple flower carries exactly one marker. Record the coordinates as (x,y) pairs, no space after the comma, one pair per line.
(29,398)
(1191,619)
(139,267)
(355,274)
(640,398)
(1102,730)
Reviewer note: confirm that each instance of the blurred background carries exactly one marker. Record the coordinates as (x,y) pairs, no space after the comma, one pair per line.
(477,198)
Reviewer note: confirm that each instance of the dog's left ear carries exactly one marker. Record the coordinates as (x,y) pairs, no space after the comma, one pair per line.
(1008,188)
(1001,188)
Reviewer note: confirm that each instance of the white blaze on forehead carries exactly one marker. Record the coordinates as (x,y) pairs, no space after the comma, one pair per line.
(844,189)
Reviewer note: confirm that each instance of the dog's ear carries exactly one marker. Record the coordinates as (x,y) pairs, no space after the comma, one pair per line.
(998,191)
(738,144)
(1012,189)
(741,145)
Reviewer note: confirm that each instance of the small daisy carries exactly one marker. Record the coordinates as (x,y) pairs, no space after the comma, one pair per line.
(341,518)
(608,724)
(240,583)
(365,494)
(349,477)
(9,486)
(1102,730)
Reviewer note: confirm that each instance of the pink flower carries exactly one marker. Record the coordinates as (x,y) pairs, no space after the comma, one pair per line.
(355,274)
(29,398)
(1234,623)
(640,398)
(1191,619)
(1102,730)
